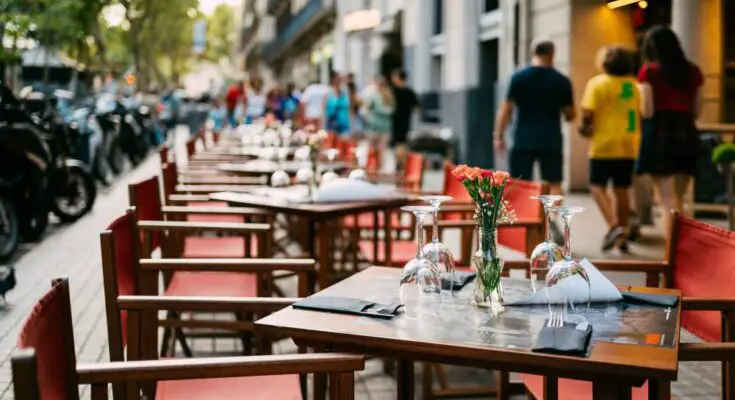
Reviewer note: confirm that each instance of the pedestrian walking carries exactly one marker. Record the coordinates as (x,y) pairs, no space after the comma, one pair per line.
(290,102)
(610,119)
(406,103)
(275,102)
(312,102)
(357,124)
(337,106)
(255,101)
(671,90)
(232,99)
(539,95)
(380,108)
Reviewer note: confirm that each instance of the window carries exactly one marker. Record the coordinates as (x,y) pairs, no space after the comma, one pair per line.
(491,5)
(438,16)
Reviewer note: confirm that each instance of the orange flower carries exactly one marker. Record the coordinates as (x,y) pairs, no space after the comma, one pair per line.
(500,177)
(460,172)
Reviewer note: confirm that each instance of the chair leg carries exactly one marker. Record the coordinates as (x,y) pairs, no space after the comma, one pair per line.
(246,337)
(164,342)
(427,381)
(181,338)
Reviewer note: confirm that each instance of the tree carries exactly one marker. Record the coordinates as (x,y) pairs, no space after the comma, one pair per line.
(220,31)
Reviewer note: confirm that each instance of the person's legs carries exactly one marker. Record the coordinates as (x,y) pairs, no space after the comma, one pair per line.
(552,166)
(599,176)
(521,164)
(681,185)
(665,187)
(622,181)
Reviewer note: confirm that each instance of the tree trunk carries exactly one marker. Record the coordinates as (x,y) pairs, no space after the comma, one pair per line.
(2,53)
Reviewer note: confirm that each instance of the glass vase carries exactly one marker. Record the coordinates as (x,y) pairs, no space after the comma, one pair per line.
(488,292)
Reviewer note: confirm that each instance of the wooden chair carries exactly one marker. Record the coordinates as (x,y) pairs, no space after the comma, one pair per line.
(45,366)
(124,271)
(699,261)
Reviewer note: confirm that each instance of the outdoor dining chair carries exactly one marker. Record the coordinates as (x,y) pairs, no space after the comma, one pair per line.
(699,261)
(45,367)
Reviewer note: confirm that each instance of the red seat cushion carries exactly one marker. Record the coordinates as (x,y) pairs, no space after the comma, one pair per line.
(366,221)
(401,251)
(212,217)
(281,387)
(570,389)
(227,284)
(217,247)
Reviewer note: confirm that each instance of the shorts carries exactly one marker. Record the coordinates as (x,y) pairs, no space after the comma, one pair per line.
(619,171)
(551,163)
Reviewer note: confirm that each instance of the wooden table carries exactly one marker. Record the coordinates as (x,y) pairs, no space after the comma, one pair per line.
(645,338)
(267,168)
(320,220)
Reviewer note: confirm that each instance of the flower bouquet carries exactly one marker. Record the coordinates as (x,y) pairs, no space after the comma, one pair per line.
(312,139)
(488,191)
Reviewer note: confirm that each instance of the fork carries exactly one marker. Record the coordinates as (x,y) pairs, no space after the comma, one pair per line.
(556,320)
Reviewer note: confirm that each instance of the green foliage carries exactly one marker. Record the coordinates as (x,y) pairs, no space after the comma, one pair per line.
(724,154)
(220,31)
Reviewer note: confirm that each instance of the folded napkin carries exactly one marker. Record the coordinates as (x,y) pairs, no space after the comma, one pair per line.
(565,340)
(344,305)
(664,300)
(574,289)
(461,278)
(350,190)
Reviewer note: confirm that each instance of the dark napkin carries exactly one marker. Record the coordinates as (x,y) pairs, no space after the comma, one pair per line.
(461,278)
(565,340)
(345,305)
(664,300)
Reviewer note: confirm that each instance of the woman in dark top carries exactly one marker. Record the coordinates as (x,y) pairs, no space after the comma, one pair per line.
(670,87)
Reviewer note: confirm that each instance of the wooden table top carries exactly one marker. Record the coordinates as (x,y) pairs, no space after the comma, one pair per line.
(310,209)
(632,342)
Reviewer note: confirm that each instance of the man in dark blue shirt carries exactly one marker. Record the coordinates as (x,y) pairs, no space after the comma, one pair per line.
(538,96)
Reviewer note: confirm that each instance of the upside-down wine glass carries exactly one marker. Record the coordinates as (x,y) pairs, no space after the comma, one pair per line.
(567,282)
(436,251)
(546,253)
(420,280)
(330,175)
(362,153)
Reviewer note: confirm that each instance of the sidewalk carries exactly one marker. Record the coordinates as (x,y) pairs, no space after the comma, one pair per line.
(73,251)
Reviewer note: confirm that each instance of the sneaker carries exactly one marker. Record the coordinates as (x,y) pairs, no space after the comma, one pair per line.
(612,237)
(634,232)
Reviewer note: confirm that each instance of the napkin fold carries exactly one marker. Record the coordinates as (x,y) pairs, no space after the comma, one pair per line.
(345,305)
(350,190)
(461,278)
(574,289)
(663,300)
(565,340)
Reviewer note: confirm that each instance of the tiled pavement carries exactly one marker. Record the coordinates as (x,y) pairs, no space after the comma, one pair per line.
(73,251)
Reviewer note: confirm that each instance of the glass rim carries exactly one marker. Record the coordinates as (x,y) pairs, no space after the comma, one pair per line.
(550,197)
(436,198)
(567,209)
(417,209)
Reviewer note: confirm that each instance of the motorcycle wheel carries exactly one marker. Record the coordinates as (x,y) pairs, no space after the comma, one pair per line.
(34,225)
(9,230)
(76,198)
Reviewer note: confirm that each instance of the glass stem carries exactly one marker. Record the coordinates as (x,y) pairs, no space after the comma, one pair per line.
(435,233)
(547,214)
(567,239)
(420,236)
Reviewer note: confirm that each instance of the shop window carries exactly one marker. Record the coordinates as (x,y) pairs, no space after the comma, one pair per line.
(438,16)
(491,5)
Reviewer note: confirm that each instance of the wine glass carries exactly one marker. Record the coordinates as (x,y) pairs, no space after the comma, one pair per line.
(546,253)
(420,280)
(435,250)
(330,175)
(280,177)
(567,282)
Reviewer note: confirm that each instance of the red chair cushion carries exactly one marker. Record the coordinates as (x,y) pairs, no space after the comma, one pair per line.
(570,389)
(414,170)
(207,284)
(282,387)
(217,247)
(212,217)
(44,332)
(703,266)
(365,221)
(519,194)
(401,251)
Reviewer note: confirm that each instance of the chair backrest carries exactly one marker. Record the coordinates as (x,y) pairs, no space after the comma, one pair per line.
(191,146)
(163,155)
(48,332)
(454,188)
(702,259)
(414,170)
(145,196)
(169,175)
(518,193)
(120,278)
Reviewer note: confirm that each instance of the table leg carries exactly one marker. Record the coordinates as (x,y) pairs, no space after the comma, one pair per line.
(551,388)
(311,248)
(320,386)
(325,265)
(610,389)
(376,227)
(659,389)
(388,238)
(405,378)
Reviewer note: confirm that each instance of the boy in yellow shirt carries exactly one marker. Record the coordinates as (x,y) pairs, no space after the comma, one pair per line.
(610,119)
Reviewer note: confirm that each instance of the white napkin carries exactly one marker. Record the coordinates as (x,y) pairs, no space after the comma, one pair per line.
(350,190)
(574,289)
